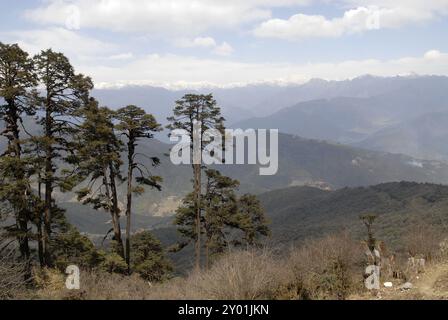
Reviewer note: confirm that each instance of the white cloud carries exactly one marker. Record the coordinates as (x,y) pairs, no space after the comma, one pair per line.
(122,56)
(152,16)
(373,15)
(433,55)
(223,49)
(193,17)
(175,70)
(69,42)
(432,6)
(203,42)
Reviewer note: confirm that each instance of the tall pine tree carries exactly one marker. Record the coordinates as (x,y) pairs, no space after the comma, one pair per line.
(64,94)
(99,162)
(135,124)
(191,111)
(17,81)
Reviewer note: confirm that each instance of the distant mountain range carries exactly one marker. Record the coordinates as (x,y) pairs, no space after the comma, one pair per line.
(370,112)
(349,119)
(261,100)
(424,137)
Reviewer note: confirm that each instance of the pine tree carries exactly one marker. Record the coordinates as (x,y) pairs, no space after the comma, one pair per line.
(220,206)
(36,150)
(64,94)
(149,258)
(99,162)
(17,83)
(201,110)
(226,220)
(251,220)
(135,124)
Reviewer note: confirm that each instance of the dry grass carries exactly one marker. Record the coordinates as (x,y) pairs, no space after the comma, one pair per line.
(245,275)
(320,269)
(329,268)
(12,275)
(423,240)
(94,286)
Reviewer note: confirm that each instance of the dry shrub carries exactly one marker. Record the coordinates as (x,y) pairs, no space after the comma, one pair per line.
(50,283)
(324,268)
(241,275)
(238,275)
(175,289)
(94,285)
(244,275)
(423,240)
(330,268)
(106,286)
(12,275)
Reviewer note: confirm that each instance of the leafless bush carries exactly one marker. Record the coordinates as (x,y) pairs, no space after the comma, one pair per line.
(95,285)
(12,274)
(423,240)
(244,275)
(329,268)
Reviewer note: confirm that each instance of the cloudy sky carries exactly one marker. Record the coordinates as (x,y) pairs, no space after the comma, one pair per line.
(215,42)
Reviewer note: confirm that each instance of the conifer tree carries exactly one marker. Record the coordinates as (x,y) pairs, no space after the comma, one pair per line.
(17,83)
(135,124)
(64,94)
(35,149)
(220,207)
(226,220)
(201,110)
(99,162)
(251,220)
(149,258)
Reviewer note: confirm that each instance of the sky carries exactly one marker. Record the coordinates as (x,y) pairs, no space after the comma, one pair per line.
(197,43)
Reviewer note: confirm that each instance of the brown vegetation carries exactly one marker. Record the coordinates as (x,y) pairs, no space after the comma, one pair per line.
(12,274)
(328,268)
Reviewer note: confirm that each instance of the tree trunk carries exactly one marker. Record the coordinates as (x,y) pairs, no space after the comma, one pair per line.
(129,203)
(48,180)
(40,244)
(197,191)
(115,211)
(20,209)
(22,213)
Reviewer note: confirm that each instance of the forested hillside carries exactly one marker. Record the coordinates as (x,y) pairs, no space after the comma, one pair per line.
(299,213)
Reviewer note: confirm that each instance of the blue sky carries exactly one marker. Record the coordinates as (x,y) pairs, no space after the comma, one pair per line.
(190,43)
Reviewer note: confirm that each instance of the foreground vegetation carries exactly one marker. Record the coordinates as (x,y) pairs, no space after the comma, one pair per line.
(332,267)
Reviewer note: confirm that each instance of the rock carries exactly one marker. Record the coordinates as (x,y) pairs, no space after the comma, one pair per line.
(388,284)
(406,286)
